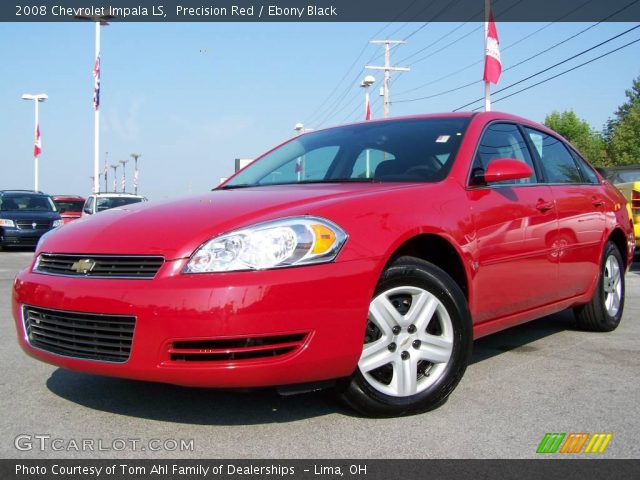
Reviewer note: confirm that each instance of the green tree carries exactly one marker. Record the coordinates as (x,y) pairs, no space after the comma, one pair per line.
(588,141)
(623,131)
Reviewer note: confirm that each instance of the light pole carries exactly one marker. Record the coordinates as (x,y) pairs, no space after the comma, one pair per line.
(366,83)
(300,129)
(135,157)
(115,176)
(40,97)
(99,20)
(124,174)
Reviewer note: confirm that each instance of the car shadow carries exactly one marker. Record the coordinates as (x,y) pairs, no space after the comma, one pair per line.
(201,406)
(520,338)
(196,406)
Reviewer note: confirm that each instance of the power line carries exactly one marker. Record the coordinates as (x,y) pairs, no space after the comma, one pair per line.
(552,66)
(476,82)
(564,72)
(466,85)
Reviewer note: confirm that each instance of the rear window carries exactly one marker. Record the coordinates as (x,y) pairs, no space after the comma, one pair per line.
(69,206)
(107,203)
(26,203)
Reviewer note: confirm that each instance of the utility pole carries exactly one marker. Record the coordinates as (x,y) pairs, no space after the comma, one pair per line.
(387,70)
(135,157)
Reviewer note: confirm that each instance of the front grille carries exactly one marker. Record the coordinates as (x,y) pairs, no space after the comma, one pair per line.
(229,349)
(117,266)
(29,224)
(80,335)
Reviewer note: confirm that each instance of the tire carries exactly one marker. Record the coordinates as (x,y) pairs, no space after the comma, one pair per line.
(604,311)
(417,342)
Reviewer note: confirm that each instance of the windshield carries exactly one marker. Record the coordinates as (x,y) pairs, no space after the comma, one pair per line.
(26,203)
(113,202)
(69,205)
(412,150)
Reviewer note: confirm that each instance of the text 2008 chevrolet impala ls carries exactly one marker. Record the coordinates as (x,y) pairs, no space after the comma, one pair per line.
(370,254)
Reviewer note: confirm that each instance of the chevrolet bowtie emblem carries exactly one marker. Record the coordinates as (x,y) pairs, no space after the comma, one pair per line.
(83,266)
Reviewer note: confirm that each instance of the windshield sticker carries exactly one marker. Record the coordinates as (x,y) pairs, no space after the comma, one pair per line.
(443,138)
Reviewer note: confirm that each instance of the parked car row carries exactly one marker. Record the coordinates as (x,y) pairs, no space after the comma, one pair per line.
(26,215)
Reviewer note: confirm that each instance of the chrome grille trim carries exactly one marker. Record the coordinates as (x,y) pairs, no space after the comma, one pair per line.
(106,266)
(89,336)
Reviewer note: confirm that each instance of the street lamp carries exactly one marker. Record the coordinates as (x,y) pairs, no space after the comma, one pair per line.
(124,174)
(135,157)
(37,98)
(99,20)
(366,83)
(115,176)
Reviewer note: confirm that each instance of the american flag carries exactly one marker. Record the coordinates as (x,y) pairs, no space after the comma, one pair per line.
(96,84)
(37,146)
(124,182)
(135,179)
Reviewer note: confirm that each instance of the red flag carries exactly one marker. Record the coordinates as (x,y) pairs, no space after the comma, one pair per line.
(96,84)
(37,146)
(492,64)
(298,166)
(367,108)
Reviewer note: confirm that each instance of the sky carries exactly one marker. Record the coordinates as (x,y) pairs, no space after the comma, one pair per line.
(193,97)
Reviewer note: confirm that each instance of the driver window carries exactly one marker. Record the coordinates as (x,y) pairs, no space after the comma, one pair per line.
(503,140)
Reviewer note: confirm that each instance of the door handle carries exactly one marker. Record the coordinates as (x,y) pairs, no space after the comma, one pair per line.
(596,202)
(543,206)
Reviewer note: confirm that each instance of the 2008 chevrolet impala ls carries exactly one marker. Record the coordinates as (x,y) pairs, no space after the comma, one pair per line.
(371,254)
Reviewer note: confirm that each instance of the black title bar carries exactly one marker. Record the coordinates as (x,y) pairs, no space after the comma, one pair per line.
(319,10)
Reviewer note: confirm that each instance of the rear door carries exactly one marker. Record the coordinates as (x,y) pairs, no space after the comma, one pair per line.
(515,223)
(581,207)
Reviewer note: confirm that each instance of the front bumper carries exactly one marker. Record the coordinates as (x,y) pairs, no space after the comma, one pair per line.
(328,303)
(19,237)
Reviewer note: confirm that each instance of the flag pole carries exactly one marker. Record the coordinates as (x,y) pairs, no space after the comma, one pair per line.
(487,87)
(96,119)
(35,156)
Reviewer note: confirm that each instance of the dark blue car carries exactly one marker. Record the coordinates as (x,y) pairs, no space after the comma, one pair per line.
(25,216)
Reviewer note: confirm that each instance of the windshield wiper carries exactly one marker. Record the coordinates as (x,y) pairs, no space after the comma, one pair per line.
(231,187)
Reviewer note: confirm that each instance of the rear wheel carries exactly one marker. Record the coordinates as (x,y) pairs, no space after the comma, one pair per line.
(417,342)
(604,312)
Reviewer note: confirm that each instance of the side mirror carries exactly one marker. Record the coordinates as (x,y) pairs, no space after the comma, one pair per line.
(502,169)
(87,210)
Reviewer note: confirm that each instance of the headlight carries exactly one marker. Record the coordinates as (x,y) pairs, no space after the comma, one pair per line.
(57,223)
(280,243)
(6,223)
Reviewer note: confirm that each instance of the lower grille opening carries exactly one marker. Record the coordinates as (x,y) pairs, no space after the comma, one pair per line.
(80,335)
(228,349)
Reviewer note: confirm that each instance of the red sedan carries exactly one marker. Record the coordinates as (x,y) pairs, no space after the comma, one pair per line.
(69,206)
(369,255)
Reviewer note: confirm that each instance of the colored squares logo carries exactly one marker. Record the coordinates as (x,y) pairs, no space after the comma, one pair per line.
(581,442)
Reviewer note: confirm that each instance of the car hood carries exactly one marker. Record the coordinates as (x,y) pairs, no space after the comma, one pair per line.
(175,229)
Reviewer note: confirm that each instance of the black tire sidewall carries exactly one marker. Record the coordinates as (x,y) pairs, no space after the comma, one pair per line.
(408,271)
(610,322)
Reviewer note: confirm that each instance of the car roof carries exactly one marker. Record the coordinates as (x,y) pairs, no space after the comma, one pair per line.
(67,197)
(115,194)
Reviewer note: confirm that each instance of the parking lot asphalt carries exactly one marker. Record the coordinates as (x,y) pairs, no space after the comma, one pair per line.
(541,377)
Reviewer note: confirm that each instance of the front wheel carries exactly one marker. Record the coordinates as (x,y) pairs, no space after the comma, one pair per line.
(417,342)
(604,312)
